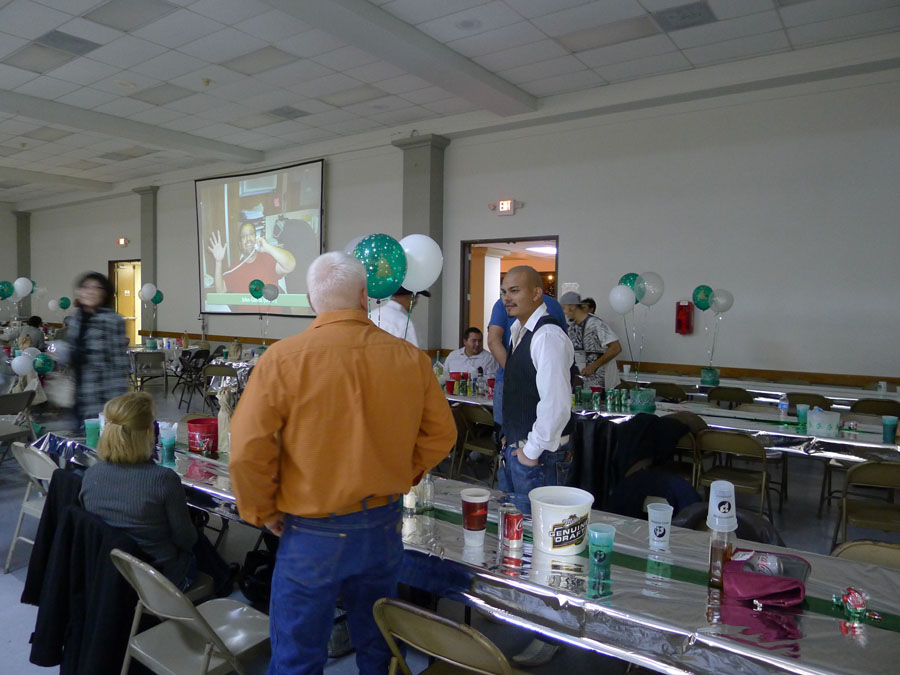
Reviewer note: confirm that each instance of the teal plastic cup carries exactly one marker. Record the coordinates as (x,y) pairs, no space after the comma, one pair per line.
(888,429)
(92,432)
(802,413)
(600,542)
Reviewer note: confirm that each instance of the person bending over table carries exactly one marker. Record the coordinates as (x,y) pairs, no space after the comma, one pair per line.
(128,491)
(335,425)
(471,357)
(537,404)
(596,346)
(32,329)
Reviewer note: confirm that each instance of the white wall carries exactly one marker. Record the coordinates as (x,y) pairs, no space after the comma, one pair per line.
(67,241)
(491,289)
(8,264)
(362,195)
(790,203)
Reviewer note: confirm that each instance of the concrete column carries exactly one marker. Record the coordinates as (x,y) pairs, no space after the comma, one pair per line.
(23,255)
(148,250)
(423,213)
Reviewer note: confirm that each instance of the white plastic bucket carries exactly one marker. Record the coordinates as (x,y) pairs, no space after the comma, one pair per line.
(560,518)
(559,571)
(823,423)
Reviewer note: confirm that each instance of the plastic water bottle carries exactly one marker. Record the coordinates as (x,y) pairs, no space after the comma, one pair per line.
(426,493)
(783,406)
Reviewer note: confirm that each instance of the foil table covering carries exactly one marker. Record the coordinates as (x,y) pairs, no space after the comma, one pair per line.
(242,368)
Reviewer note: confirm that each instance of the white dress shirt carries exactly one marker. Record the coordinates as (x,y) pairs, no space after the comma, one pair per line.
(390,316)
(552,354)
(460,362)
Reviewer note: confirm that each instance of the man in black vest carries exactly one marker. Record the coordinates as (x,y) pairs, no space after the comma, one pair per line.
(537,398)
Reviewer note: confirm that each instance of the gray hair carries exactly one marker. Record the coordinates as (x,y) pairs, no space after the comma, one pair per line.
(334,281)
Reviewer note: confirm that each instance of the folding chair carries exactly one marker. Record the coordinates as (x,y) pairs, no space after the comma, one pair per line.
(876,406)
(739,445)
(39,468)
(148,365)
(869,512)
(478,436)
(211,371)
(870,551)
(19,405)
(730,395)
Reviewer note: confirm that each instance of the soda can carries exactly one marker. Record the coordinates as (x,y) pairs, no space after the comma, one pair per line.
(511,526)
(596,400)
(852,425)
(511,562)
(768,564)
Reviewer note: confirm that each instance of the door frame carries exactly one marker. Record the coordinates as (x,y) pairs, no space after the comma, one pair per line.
(111,275)
(464,260)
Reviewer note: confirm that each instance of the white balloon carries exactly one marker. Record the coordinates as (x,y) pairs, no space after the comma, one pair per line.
(424,262)
(147,292)
(351,245)
(31,351)
(621,299)
(23,286)
(14,298)
(649,288)
(721,301)
(53,305)
(23,365)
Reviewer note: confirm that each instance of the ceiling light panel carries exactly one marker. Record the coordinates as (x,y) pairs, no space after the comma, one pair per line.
(684,16)
(609,34)
(255,121)
(352,96)
(162,94)
(288,112)
(587,16)
(260,60)
(67,43)
(128,15)
(46,134)
(38,58)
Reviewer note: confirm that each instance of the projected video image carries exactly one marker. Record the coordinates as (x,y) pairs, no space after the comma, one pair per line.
(265,226)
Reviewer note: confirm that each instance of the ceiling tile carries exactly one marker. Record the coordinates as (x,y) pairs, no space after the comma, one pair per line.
(169,65)
(227,112)
(563,84)
(374,72)
(187,123)
(272,26)
(823,10)
(451,106)
(358,94)
(536,71)
(47,87)
(491,41)
(650,65)
(245,138)
(162,94)
(127,51)
(243,90)
(345,58)
(179,28)
(736,49)
(426,95)
(327,119)
(587,16)
(311,105)
(87,98)
(129,15)
(753,24)
(415,12)
(305,136)
(294,73)
(322,86)
(90,31)
(215,75)
(851,26)
(384,104)
(195,104)
(84,71)
(411,114)
(73,7)
(46,134)
(11,77)
(354,126)
(532,8)
(10,43)
(470,22)
(282,128)
(627,51)
(272,100)
(223,45)
(259,61)
(730,9)
(230,11)
(156,115)
(119,83)
(38,58)
(311,43)
(29,20)
(521,56)
(216,131)
(124,107)
(403,84)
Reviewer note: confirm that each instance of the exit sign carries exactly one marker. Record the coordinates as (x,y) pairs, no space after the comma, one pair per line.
(506,207)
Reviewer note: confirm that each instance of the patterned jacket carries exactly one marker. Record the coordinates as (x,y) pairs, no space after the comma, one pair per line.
(104,362)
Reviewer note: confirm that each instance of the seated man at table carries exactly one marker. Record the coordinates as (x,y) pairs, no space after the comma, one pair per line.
(472,358)
(31,328)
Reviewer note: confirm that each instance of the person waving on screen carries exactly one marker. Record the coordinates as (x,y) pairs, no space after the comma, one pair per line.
(259,260)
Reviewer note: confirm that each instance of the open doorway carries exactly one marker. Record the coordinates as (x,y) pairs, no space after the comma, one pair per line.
(125,276)
(486,261)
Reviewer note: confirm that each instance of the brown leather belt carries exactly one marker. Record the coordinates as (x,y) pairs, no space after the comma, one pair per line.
(364,504)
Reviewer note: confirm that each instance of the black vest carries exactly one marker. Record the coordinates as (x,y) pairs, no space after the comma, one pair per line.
(520,392)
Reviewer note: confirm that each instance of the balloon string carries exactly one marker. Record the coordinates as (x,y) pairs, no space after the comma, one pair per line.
(715,334)
(641,348)
(408,314)
(627,339)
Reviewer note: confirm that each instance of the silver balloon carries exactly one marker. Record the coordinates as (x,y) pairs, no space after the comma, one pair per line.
(721,301)
(649,288)
(270,292)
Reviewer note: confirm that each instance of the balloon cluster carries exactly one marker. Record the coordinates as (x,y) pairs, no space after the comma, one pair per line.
(63,303)
(415,262)
(646,289)
(260,290)
(31,360)
(18,290)
(719,300)
(150,293)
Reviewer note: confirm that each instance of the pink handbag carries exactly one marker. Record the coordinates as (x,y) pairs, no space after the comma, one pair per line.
(770,579)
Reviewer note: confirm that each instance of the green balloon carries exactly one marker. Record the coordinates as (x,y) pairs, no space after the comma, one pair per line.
(702,296)
(158,298)
(64,303)
(385,263)
(33,285)
(43,364)
(256,288)
(630,280)
(6,290)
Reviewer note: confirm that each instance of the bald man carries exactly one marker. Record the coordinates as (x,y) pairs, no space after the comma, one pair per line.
(537,392)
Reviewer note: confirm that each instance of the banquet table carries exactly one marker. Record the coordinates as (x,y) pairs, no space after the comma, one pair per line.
(172,355)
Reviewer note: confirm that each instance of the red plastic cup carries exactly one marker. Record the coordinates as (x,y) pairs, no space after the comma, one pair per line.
(464,375)
(474,513)
(448,385)
(596,390)
(491,382)
(455,375)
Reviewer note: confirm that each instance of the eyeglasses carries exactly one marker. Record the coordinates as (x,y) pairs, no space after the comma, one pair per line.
(92,287)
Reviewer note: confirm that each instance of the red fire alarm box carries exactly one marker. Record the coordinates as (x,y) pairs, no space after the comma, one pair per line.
(684,317)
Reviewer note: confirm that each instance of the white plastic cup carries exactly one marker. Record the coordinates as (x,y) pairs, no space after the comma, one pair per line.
(659,519)
(722,513)
(626,368)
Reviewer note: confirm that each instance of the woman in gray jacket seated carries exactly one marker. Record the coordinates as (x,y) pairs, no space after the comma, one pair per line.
(130,492)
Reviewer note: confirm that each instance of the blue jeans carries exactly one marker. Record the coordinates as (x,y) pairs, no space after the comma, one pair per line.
(356,557)
(516,479)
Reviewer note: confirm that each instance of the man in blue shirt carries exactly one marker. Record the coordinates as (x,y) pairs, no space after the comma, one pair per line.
(498,340)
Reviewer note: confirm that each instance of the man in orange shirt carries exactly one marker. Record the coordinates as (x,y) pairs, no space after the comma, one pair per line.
(335,425)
